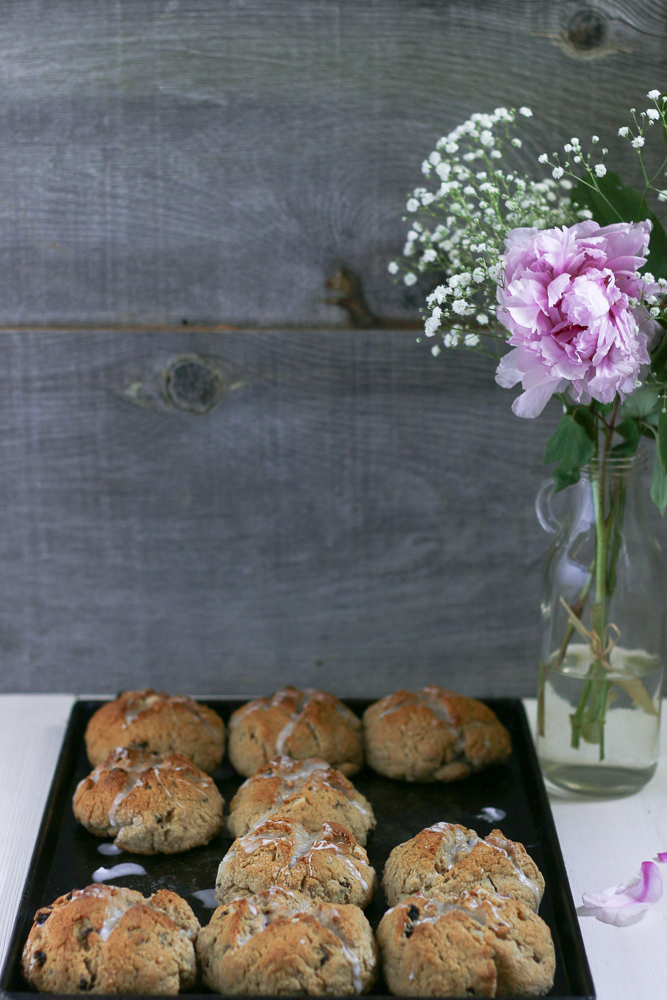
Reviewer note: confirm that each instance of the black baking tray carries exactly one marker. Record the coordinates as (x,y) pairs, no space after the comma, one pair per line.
(66,855)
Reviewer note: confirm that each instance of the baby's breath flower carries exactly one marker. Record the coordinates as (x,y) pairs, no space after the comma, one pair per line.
(653,94)
(433,322)
(557,172)
(526,112)
(653,114)
(543,158)
(655,312)
(623,131)
(595,139)
(638,142)
(600,169)
(392,267)
(471,210)
(435,350)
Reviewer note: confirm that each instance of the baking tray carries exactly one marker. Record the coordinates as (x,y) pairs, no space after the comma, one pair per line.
(66,855)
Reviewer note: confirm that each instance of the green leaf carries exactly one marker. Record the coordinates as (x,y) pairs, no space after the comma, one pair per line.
(586,419)
(563,479)
(630,432)
(659,357)
(640,403)
(659,481)
(611,200)
(661,441)
(572,445)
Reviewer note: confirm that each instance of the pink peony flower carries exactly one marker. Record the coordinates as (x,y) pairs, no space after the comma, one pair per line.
(566,303)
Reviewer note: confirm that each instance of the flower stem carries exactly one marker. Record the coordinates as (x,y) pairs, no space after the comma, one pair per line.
(577,608)
(589,717)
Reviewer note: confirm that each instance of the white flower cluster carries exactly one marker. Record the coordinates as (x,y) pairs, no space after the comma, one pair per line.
(580,159)
(474,206)
(636,136)
(642,123)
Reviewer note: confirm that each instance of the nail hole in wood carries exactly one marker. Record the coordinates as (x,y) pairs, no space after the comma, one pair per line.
(586,30)
(193,384)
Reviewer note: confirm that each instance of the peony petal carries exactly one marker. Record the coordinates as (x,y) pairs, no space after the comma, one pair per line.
(508,372)
(621,904)
(557,287)
(531,402)
(663,857)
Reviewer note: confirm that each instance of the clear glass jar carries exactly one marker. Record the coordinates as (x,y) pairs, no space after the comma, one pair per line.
(603,634)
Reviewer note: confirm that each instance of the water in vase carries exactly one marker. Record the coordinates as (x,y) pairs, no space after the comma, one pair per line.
(577,751)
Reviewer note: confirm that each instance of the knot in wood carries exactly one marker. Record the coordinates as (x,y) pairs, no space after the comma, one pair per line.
(586,30)
(193,384)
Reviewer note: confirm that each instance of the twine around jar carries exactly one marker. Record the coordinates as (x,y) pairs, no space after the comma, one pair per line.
(601,647)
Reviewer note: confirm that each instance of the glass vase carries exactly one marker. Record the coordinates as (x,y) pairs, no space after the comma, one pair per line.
(603,633)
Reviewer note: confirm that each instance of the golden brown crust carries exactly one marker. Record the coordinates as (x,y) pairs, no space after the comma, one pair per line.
(297,723)
(433,735)
(478,943)
(447,858)
(158,723)
(327,864)
(280,942)
(105,939)
(149,804)
(308,791)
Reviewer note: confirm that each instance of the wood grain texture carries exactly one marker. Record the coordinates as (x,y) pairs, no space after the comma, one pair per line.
(217,160)
(351,509)
(352,514)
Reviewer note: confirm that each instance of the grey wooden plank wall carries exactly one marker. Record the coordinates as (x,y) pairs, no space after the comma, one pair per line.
(179,180)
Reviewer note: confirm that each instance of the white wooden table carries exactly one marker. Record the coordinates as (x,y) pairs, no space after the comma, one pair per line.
(603,843)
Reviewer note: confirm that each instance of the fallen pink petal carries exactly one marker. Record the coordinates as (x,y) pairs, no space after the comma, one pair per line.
(621,904)
(663,857)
